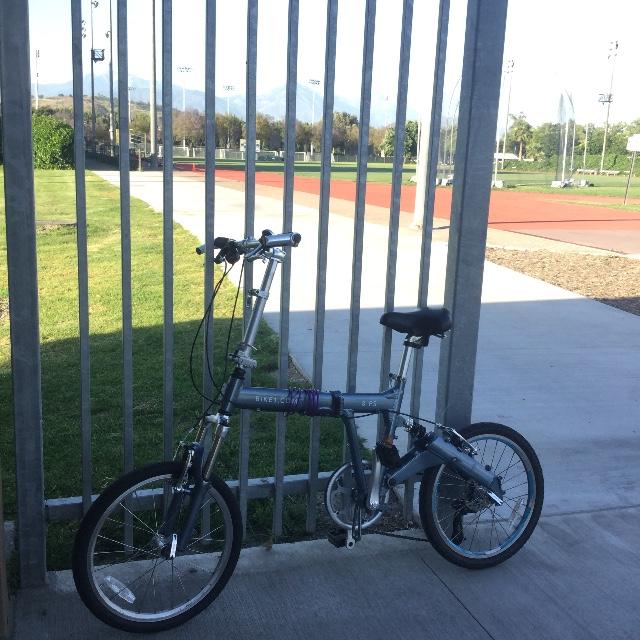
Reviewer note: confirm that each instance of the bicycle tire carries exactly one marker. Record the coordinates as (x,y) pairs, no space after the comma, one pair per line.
(445,499)
(109,597)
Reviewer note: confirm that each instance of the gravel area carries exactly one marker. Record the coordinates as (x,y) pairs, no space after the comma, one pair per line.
(613,280)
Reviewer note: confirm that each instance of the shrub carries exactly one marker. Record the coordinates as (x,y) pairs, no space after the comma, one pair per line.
(52,143)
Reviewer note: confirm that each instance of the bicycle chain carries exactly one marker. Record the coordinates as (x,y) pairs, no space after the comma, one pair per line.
(395,535)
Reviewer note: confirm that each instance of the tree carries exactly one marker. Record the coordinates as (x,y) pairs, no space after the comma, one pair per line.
(376,137)
(52,143)
(388,142)
(520,133)
(140,123)
(345,132)
(228,131)
(545,140)
(410,140)
(304,133)
(270,132)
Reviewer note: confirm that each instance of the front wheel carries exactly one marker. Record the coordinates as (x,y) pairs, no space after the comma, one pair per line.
(462,523)
(125,564)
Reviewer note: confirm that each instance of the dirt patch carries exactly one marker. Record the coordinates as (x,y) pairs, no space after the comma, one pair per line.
(613,280)
(45,226)
(4,309)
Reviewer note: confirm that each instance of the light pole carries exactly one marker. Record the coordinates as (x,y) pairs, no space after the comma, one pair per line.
(94,3)
(586,142)
(228,89)
(508,72)
(37,98)
(131,90)
(109,34)
(314,83)
(566,136)
(573,144)
(184,70)
(153,112)
(451,120)
(607,98)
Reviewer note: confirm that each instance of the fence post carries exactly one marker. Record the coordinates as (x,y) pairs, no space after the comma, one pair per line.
(479,95)
(15,83)
(4,593)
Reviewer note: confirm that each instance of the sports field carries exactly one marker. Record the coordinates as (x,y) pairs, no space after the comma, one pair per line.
(537,181)
(577,216)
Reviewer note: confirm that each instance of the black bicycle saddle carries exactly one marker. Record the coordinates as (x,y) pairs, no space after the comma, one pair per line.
(421,323)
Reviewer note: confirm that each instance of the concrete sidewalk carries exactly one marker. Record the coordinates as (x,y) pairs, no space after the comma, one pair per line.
(576,579)
(562,369)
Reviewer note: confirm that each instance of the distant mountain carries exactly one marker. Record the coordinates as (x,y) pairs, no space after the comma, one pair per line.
(272,103)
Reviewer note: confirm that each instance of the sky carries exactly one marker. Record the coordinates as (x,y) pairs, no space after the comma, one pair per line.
(556,45)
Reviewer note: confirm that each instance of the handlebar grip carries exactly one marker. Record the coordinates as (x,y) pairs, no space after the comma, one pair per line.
(218,243)
(280,240)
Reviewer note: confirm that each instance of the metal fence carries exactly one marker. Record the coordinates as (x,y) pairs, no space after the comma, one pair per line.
(478,108)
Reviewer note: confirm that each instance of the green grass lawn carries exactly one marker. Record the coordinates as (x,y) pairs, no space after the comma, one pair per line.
(57,274)
(540,182)
(376,171)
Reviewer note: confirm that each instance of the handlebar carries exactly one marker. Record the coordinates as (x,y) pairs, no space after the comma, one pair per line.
(231,250)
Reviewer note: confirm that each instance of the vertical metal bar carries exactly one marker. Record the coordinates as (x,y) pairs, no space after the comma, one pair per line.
(167,225)
(249,217)
(323,242)
(81,239)
(479,94)
(209,203)
(428,197)
(209,185)
(15,86)
(287,222)
(125,239)
(125,249)
(361,189)
(5,612)
(396,185)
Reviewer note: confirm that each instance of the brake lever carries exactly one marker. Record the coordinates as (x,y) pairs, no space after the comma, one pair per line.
(254,254)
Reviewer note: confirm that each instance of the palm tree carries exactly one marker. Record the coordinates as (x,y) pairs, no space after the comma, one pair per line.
(520,133)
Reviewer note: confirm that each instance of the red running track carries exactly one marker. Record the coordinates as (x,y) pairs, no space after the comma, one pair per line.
(555,216)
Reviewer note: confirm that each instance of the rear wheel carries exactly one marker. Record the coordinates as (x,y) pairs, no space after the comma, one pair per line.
(122,563)
(463,524)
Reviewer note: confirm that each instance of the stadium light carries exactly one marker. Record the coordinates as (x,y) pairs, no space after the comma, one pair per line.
(313,82)
(607,98)
(228,88)
(509,72)
(184,70)
(37,89)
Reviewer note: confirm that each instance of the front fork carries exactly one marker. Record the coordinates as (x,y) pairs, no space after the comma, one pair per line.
(196,472)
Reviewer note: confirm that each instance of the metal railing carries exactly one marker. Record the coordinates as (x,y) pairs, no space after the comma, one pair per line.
(476,137)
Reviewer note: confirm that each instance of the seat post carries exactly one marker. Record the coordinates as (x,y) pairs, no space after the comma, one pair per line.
(410,343)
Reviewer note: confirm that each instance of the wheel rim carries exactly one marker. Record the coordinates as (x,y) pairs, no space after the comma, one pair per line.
(132,578)
(466,519)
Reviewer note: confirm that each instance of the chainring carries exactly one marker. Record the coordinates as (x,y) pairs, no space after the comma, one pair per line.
(339,499)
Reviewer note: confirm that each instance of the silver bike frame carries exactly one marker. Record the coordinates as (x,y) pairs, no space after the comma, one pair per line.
(434,449)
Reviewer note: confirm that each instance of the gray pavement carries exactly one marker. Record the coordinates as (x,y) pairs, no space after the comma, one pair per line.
(577,578)
(562,369)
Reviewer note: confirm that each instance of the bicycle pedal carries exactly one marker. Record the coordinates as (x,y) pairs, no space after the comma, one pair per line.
(337,537)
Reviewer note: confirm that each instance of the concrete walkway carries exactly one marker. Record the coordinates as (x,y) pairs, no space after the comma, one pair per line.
(577,579)
(562,369)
